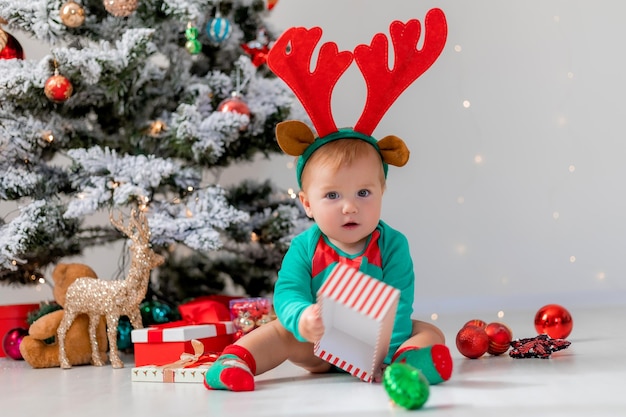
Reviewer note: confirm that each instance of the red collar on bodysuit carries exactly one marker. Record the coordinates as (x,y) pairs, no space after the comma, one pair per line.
(325,255)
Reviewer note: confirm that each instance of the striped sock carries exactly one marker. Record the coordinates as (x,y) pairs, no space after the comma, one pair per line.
(434,361)
(233,370)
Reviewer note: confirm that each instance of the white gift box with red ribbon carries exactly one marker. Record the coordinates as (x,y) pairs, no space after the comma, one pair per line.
(182,333)
(358,312)
(190,368)
(163,344)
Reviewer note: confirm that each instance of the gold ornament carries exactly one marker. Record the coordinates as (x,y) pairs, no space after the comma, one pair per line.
(120,8)
(72,14)
(112,298)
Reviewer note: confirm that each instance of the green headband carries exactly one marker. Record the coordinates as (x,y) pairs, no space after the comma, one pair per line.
(344,133)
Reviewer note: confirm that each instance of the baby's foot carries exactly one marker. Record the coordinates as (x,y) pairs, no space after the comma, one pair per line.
(231,373)
(434,361)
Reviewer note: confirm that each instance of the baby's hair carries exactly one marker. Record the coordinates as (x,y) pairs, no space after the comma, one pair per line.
(339,153)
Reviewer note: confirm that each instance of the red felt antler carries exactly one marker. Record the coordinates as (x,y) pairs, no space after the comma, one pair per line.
(290,59)
(384,86)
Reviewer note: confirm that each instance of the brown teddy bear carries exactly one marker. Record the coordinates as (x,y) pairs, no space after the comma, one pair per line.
(39,354)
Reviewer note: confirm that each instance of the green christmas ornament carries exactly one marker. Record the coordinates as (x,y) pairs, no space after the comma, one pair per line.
(124,328)
(155,312)
(193,45)
(406,385)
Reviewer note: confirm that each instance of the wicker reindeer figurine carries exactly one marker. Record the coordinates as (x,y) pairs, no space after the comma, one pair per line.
(112,298)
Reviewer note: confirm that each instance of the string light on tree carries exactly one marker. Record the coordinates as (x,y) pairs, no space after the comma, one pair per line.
(143,203)
(72,14)
(47,137)
(156,128)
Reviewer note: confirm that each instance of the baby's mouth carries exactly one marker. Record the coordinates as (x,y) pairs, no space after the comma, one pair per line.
(350,225)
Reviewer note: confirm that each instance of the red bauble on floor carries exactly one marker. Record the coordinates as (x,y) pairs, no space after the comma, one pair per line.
(476,322)
(472,341)
(554,320)
(500,337)
(11,342)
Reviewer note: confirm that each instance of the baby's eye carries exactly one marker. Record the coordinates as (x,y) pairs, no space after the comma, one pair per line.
(363,193)
(332,195)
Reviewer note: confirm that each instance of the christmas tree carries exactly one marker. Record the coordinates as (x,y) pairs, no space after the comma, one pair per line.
(142,104)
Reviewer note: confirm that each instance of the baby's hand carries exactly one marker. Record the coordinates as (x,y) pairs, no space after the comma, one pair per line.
(310,325)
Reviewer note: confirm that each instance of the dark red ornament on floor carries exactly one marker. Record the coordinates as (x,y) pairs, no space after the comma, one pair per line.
(554,320)
(11,342)
(500,337)
(472,341)
(10,48)
(476,322)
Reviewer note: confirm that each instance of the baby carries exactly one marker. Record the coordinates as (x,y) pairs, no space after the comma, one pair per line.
(342,176)
(343,184)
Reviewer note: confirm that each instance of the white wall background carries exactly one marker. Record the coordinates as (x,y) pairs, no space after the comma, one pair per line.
(514,196)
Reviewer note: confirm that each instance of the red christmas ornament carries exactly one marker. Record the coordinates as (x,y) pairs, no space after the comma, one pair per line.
(269,4)
(258,48)
(234,104)
(58,88)
(11,342)
(476,322)
(500,337)
(554,320)
(257,52)
(472,341)
(10,48)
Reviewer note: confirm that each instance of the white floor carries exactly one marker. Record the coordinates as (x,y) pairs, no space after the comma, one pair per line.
(587,379)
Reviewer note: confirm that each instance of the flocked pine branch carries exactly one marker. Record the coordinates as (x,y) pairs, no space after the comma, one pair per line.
(142,128)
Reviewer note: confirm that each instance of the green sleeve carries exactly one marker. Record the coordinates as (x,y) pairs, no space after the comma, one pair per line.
(398,272)
(293,290)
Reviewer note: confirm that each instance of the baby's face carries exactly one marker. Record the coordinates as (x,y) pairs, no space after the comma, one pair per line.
(346,203)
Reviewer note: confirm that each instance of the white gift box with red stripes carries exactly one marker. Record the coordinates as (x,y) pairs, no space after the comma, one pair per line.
(358,312)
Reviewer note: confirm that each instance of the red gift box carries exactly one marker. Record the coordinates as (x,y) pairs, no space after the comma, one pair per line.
(163,344)
(206,319)
(13,316)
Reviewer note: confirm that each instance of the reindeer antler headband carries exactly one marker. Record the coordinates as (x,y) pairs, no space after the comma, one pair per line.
(290,59)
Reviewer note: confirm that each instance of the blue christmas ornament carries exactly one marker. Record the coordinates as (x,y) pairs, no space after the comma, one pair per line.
(218,29)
